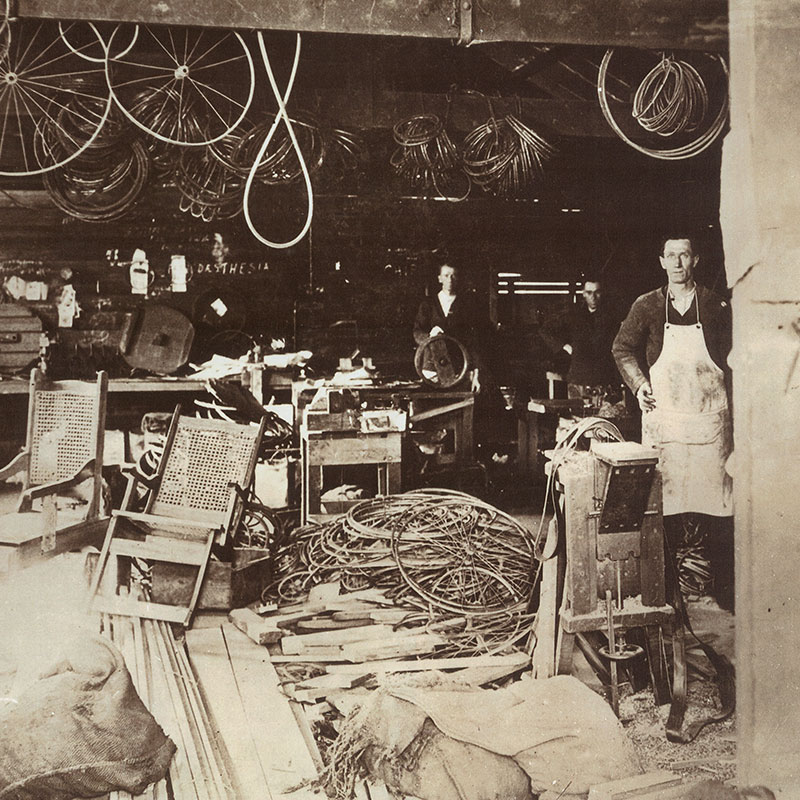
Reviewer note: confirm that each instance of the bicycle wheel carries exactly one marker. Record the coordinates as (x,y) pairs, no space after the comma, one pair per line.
(89,41)
(183,86)
(44,84)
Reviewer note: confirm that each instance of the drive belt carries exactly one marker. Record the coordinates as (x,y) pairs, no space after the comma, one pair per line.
(726,683)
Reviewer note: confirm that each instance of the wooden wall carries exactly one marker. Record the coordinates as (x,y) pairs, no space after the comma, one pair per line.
(761,203)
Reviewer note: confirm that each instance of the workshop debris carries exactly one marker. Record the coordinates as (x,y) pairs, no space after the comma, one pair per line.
(448,564)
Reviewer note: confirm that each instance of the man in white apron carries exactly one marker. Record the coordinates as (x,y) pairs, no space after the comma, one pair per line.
(671,351)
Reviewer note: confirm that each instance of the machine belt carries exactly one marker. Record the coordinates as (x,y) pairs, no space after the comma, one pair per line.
(726,682)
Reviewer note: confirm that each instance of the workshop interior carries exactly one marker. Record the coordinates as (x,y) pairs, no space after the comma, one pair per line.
(398,400)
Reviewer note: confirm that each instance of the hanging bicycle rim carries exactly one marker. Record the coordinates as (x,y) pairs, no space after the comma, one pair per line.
(45,84)
(183,86)
(670,100)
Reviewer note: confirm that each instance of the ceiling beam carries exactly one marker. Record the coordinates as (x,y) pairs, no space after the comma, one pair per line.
(675,24)
(426,18)
(648,24)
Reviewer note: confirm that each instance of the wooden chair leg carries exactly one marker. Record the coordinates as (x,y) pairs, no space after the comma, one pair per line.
(101,561)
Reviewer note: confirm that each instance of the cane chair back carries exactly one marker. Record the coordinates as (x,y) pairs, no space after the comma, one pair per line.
(202,463)
(63,455)
(66,424)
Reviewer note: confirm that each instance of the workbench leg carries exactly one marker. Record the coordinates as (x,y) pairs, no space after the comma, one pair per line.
(394,478)
(564,651)
(544,652)
(659,676)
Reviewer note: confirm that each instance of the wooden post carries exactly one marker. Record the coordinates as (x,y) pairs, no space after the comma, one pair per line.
(760,209)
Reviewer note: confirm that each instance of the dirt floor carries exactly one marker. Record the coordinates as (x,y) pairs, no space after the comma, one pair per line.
(712,755)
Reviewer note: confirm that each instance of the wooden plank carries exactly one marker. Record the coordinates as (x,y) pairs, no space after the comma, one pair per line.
(280,745)
(316,689)
(517,659)
(180,775)
(261,631)
(354,16)
(308,735)
(298,645)
(128,607)
(635,786)
(194,711)
(436,412)
(330,624)
(390,616)
(544,651)
(184,738)
(480,676)
(394,647)
(161,548)
(209,660)
(320,655)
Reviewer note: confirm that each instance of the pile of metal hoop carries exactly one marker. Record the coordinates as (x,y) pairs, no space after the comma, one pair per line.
(100,111)
(459,565)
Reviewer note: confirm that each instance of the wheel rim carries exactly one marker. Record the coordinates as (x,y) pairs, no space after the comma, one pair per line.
(87,41)
(187,87)
(43,83)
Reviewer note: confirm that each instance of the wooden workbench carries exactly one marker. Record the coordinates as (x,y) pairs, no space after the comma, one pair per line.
(119,385)
(320,449)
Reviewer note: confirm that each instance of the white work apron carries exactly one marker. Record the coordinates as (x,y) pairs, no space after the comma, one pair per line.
(691,424)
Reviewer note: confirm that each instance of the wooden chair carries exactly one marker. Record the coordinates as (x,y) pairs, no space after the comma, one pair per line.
(195,500)
(63,448)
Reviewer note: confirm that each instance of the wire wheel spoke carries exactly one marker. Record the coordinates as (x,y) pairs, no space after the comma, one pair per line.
(182,86)
(43,82)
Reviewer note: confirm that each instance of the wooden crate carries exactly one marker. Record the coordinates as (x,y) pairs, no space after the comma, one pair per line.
(226,584)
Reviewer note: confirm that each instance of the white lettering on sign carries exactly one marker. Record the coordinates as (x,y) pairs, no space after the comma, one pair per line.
(232,268)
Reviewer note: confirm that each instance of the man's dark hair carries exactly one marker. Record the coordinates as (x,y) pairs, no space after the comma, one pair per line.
(590,277)
(444,264)
(671,237)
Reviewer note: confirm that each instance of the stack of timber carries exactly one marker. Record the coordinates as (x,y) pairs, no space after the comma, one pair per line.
(332,643)
(164,681)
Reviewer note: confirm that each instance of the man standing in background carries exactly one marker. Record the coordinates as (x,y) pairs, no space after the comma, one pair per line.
(591,333)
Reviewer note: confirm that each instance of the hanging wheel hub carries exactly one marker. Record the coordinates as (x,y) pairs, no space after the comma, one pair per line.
(10,78)
(182,71)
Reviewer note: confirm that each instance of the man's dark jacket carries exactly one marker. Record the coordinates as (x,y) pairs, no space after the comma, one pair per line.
(591,335)
(641,336)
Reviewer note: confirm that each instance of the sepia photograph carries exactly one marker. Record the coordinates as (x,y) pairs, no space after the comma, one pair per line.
(399,399)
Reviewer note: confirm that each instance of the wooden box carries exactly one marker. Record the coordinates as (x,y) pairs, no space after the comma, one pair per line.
(226,584)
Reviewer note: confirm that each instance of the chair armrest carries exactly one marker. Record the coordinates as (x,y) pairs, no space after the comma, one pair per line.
(54,487)
(19,462)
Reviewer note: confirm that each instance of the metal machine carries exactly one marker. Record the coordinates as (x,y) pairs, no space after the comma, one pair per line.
(607,573)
